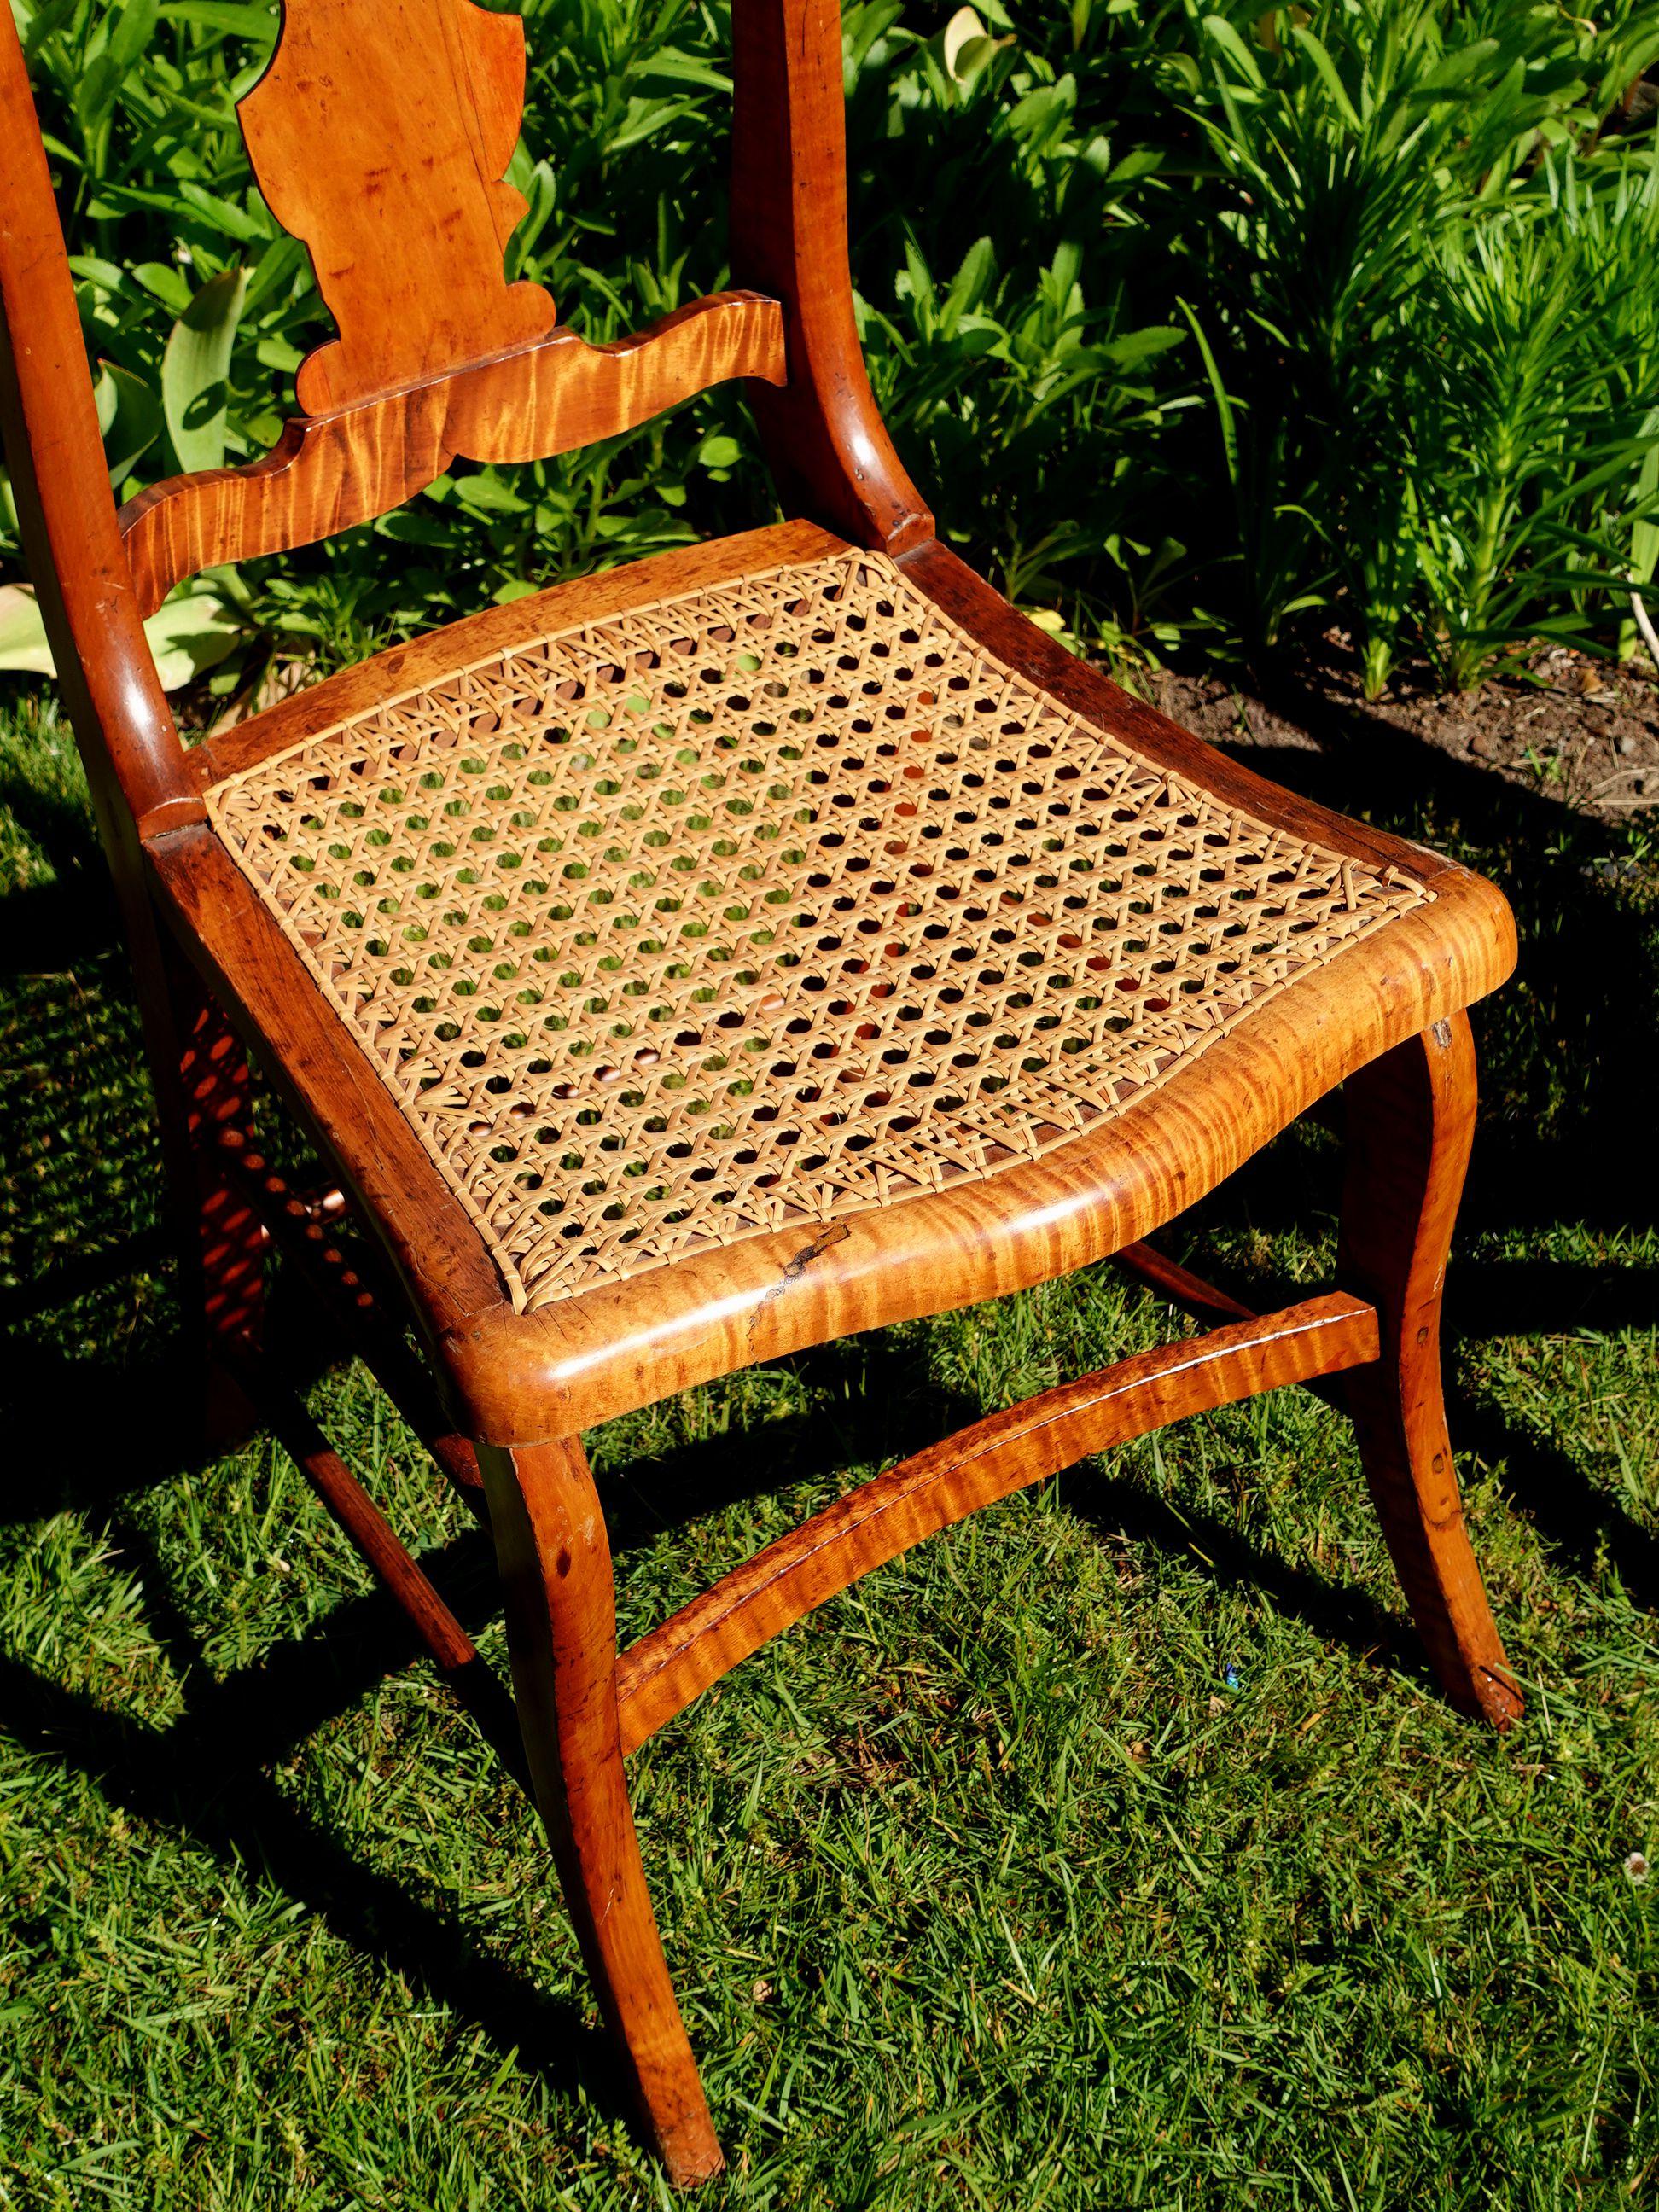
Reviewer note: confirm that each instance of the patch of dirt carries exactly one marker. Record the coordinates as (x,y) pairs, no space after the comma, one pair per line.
(1565,727)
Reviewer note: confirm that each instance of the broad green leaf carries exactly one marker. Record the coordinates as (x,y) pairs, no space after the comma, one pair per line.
(278,354)
(486,493)
(163,282)
(241,22)
(129,35)
(87,269)
(536,182)
(23,648)
(230,220)
(970,284)
(196,369)
(676,68)
(277,268)
(415,526)
(130,417)
(1142,345)
(964,30)
(1222,34)
(194,631)
(1044,113)
(1319,55)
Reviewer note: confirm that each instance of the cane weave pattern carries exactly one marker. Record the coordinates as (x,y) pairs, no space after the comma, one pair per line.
(760,905)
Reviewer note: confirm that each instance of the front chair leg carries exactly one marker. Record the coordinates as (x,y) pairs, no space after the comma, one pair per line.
(554,1561)
(1410,1121)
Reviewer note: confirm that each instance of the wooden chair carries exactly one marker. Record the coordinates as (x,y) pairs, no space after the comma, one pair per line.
(706,959)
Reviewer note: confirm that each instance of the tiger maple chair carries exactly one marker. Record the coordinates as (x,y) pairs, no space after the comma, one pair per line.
(703,960)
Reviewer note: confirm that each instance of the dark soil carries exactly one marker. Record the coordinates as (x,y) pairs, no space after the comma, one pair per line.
(1568,727)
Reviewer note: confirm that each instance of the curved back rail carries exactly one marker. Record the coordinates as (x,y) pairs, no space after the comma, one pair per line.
(331,472)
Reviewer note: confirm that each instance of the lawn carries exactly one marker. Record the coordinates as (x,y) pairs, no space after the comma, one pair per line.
(1113,1849)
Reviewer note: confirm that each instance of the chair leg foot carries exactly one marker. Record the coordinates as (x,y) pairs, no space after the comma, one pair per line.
(1411,1121)
(554,1561)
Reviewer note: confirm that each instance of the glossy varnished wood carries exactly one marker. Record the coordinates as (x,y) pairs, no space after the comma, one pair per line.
(1411,1124)
(305,1236)
(330,472)
(434,1252)
(376,1543)
(463,1670)
(1181,1287)
(60,485)
(874,1523)
(555,1561)
(829,449)
(381,135)
(568,1366)
(223,1280)
(527,1378)
(392,172)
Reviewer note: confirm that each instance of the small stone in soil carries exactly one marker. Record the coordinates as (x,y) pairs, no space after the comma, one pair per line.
(1624,744)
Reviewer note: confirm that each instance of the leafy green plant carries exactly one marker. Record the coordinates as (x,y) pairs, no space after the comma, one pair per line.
(1516,530)
(1199,325)
(1390,274)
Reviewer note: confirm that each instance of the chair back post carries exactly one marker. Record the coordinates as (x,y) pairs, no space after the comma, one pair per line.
(831,455)
(134,761)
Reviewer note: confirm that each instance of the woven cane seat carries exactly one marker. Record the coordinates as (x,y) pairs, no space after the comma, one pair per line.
(766,904)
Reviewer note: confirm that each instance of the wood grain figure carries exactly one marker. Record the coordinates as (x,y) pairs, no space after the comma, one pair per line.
(697,961)
(330,472)
(381,137)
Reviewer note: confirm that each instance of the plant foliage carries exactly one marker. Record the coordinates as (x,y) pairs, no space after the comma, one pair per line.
(1206,324)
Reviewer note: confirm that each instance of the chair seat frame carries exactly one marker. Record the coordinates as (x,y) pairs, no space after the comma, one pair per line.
(446,358)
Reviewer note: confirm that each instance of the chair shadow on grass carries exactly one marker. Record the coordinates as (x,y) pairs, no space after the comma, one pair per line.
(1587,964)
(205,1775)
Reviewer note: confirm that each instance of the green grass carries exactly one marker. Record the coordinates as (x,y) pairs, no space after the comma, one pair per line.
(1112,1850)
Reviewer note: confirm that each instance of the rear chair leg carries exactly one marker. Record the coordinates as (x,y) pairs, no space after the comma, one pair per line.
(1410,1121)
(221,1241)
(554,1561)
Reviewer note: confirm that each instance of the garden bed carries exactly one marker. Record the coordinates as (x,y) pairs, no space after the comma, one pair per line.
(1566,726)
